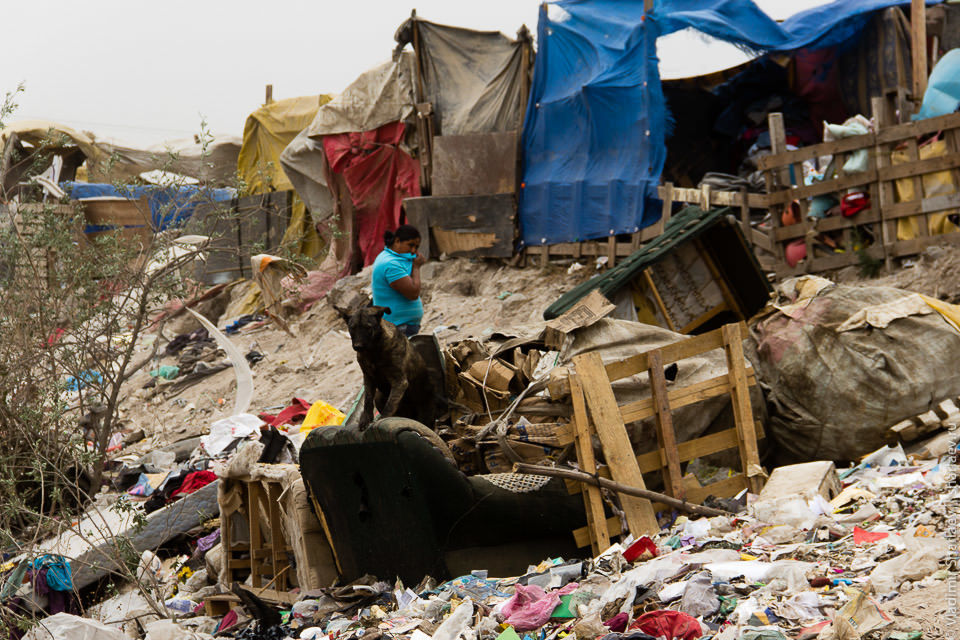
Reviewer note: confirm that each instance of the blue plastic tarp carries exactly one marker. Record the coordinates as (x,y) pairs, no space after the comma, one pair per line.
(593,137)
(595,128)
(943,88)
(169,206)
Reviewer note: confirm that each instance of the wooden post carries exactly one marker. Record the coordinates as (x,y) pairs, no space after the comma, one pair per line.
(776,181)
(672,478)
(423,130)
(278,545)
(667,209)
(256,539)
(616,444)
(611,252)
(268,98)
(592,500)
(742,411)
(918,45)
(745,217)
(888,228)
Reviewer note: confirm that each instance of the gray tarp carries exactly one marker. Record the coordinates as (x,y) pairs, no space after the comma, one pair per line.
(379,96)
(834,390)
(477,81)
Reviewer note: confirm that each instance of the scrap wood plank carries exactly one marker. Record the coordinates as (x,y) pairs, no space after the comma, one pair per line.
(278,546)
(664,425)
(616,444)
(726,488)
(899,132)
(592,498)
(256,538)
(742,411)
(670,353)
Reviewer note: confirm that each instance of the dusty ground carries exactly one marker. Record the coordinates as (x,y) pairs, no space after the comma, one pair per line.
(932,610)
(935,272)
(462,299)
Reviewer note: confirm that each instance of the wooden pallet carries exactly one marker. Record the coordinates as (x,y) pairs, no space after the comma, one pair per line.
(596,411)
(783,170)
(945,415)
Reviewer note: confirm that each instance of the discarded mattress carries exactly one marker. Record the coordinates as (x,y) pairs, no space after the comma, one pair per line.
(842,364)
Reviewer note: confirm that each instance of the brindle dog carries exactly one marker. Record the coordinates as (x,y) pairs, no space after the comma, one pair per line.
(394,374)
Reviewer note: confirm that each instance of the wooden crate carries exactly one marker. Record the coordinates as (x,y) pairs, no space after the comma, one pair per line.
(590,385)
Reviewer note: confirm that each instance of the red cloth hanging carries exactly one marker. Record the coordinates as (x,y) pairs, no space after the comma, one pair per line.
(379,176)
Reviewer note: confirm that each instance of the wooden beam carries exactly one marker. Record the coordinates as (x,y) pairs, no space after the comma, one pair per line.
(918,47)
(653,461)
(673,352)
(616,444)
(785,158)
(592,500)
(594,481)
(268,97)
(920,127)
(664,424)
(725,488)
(658,299)
(742,411)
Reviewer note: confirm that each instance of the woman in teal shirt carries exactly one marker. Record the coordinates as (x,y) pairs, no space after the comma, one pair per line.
(396,279)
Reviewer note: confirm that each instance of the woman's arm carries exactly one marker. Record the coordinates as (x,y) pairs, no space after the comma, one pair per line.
(409,286)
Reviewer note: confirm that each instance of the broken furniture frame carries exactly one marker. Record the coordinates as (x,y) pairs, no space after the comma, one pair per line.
(596,411)
(265,557)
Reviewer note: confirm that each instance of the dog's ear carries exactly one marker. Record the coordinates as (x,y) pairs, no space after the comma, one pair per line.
(343,312)
(380,311)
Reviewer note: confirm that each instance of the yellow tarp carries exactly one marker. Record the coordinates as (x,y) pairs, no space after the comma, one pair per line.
(939,183)
(266,134)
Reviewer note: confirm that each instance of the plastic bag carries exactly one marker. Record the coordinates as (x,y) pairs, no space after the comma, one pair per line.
(921,558)
(530,606)
(458,622)
(699,598)
(322,414)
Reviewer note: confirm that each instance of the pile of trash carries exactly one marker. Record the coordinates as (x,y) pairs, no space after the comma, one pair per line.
(816,555)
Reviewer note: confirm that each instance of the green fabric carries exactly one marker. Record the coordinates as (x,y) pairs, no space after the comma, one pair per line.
(167,372)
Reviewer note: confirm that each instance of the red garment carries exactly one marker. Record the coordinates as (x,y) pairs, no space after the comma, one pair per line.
(672,625)
(194,481)
(379,176)
(853,203)
(298,409)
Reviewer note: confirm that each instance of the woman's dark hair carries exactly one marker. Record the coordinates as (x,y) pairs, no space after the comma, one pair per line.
(404,232)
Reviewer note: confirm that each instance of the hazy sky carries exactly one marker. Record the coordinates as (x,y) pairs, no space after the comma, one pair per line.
(142,72)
